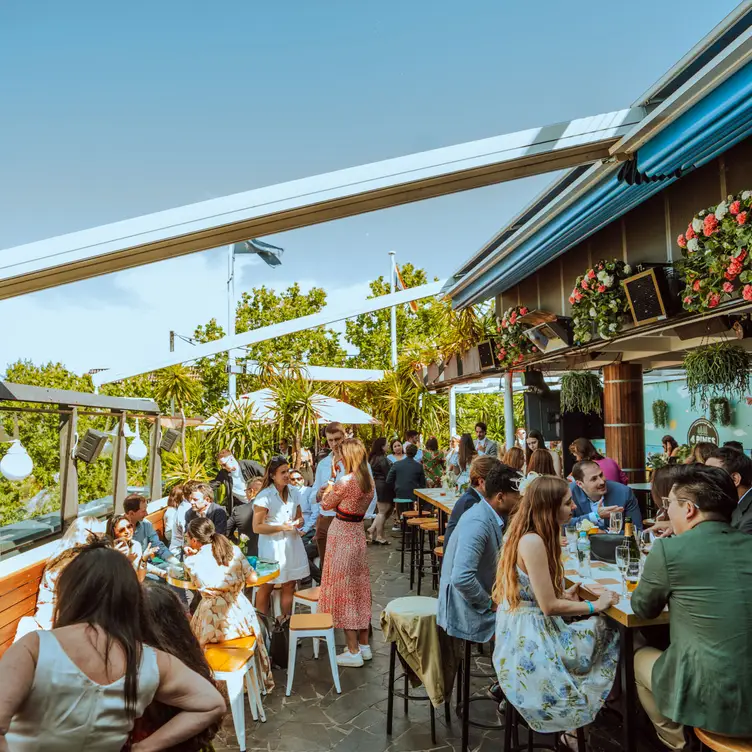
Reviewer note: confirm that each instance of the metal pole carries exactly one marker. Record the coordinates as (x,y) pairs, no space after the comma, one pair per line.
(508,410)
(393,274)
(452,411)
(231,380)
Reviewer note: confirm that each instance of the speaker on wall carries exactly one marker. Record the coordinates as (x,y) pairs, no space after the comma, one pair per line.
(90,446)
(486,356)
(169,439)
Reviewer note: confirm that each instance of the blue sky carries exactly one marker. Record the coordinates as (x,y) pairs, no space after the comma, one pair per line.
(115,110)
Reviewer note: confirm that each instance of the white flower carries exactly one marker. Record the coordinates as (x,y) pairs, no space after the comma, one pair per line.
(592,312)
(696,226)
(586,337)
(693,244)
(608,281)
(525,482)
(614,305)
(244,538)
(612,327)
(721,210)
(602,275)
(746,195)
(627,269)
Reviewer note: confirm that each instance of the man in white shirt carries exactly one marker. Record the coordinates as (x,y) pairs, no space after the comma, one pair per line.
(483,444)
(233,475)
(310,510)
(413,437)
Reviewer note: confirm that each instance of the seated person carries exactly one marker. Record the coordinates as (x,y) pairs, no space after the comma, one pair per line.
(479,469)
(704,575)
(202,503)
(739,467)
(240,521)
(134,508)
(596,498)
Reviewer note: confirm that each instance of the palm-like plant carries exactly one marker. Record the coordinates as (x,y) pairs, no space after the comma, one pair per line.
(179,384)
(241,431)
(191,466)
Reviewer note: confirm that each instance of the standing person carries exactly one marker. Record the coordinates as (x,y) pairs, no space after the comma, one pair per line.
(202,505)
(413,437)
(535,441)
(174,500)
(583,449)
(467,453)
(345,580)
(167,629)
(306,465)
(596,498)
(739,467)
(433,463)
(310,511)
(277,519)
(484,445)
(404,477)
(514,457)
(380,466)
(284,449)
(557,674)
(704,575)
(177,541)
(397,451)
(452,454)
(82,685)
(541,463)
(134,508)
(240,521)
(233,475)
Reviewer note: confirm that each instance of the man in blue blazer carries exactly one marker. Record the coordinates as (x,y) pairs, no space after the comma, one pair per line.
(596,498)
(468,570)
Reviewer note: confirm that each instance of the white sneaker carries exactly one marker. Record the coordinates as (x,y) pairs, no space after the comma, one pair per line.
(348,659)
(366,652)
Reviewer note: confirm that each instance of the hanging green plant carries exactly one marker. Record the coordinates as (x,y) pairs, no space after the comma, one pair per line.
(722,367)
(660,414)
(720,411)
(581,392)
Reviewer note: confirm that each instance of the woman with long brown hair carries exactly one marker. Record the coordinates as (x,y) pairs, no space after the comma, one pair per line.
(514,457)
(346,580)
(582,449)
(541,463)
(385,498)
(556,674)
(466,454)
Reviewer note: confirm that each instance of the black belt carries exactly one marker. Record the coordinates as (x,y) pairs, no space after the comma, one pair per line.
(347,517)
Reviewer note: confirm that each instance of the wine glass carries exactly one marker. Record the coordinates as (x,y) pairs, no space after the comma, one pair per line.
(645,541)
(622,561)
(614,523)
(571,533)
(632,577)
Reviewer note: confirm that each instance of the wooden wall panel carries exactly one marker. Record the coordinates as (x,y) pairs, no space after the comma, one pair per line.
(737,164)
(623,418)
(575,263)
(549,285)
(646,232)
(698,190)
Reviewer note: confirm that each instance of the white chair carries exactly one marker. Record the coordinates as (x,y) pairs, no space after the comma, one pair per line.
(233,662)
(315,626)
(308,598)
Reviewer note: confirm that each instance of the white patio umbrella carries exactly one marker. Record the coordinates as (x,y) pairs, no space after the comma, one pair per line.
(328,410)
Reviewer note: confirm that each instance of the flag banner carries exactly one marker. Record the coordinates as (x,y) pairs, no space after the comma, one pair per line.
(402,286)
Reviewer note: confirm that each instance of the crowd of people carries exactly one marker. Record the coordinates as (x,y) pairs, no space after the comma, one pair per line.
(112,639)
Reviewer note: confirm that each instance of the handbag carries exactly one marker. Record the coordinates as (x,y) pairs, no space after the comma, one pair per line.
(277,639)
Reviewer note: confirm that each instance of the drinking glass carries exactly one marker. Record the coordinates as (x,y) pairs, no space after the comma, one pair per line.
(622,561)
(614,523)
(646,541)
(632,577)
(571,533)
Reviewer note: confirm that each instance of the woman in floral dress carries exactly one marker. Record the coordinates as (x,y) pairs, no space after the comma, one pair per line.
(433,463)
(220,571)
(556,674)
(346,581)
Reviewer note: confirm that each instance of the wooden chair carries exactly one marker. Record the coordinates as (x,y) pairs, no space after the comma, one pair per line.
(308,598)
(18,598)
(315,626)
(233,662)
(719,743)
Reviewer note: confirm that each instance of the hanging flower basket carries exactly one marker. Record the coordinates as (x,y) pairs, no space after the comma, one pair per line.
(716,265)
(720,411)
(580,392)
(599,302)
(722,367)
(512,346)
(660,414)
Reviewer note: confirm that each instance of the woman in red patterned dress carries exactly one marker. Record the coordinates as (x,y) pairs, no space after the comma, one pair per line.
(346,580)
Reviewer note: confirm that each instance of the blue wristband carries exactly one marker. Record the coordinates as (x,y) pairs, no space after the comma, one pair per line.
(591,607)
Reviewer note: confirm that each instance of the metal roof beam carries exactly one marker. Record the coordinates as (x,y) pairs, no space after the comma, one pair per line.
(42,395)
(299,203)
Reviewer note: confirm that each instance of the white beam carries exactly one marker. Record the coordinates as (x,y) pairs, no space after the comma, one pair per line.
(329,315)
(328,373)
(299,203)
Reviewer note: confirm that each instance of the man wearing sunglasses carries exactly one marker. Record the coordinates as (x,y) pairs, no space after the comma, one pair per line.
(704,575)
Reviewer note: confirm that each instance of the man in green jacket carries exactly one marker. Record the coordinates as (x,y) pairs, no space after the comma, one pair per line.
(704,576)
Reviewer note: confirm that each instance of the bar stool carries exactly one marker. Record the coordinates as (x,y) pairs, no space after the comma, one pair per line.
(718,743)
(512,722)
(431,528)
(405,516)
(316,626)
(438,552)
(233,663)
(413,525)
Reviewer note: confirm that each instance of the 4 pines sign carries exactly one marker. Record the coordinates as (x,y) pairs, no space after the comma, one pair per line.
(702,430)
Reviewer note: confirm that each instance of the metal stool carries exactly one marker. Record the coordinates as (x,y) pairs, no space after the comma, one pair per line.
(431,527)
(513,720)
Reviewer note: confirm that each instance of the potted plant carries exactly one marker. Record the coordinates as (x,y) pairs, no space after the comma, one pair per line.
(720,411)
(599,301)
(580,392)
(722,367)
(512,346)
(716,266)
(660,414)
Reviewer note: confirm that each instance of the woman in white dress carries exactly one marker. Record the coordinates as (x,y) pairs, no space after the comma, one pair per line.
(277,520)
(556,673)
(82,685)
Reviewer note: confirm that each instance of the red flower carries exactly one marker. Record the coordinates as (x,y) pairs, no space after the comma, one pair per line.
(713,299)
(690,233)
(728,287)
(742,255)
(520,358)
(600,267)
(741,218)
(710,225)
(498,328)
(601,288)
(504,323)
(577,296)
(591,274)
(523,311)
(682,241)
(747,292)
(688,299)
(513,318)
(696,285)
(502,352)
(735,208)
(535,349)
(585,285)
(571,299)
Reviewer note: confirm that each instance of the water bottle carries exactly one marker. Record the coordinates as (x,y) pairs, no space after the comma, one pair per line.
(583,555)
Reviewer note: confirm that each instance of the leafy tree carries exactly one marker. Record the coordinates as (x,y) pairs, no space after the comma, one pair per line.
(179,385)
(213,371)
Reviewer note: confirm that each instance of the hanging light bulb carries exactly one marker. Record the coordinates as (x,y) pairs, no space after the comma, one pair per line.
(137,450)
(127,430)
(16,465)
(106,449)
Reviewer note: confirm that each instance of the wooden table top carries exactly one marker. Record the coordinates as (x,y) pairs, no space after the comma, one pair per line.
(608,575)
(440,498)
(188,585)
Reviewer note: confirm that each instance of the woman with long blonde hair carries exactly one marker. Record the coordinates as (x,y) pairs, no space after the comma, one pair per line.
(346,580)
(556,674)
